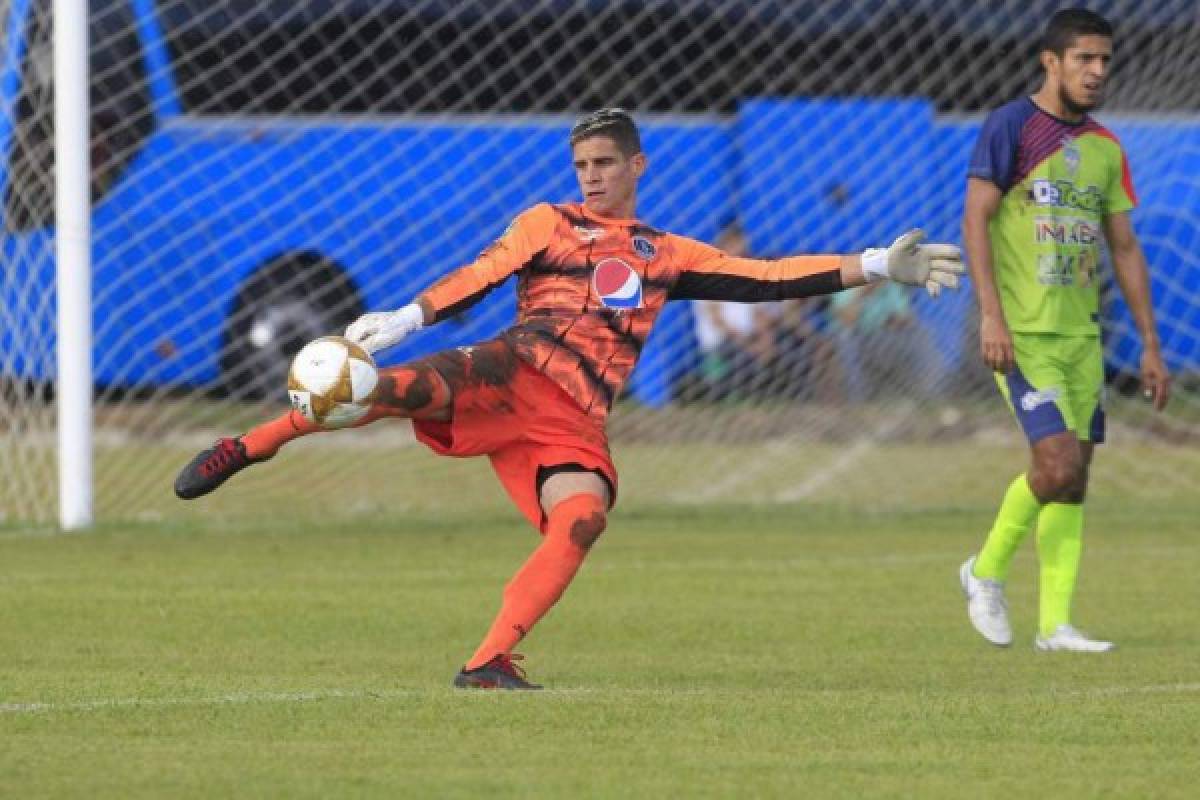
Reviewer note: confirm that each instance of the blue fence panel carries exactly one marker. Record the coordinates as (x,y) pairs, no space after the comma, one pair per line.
(688,189)
(843,175)
(832,175)
(951,316)
(1165,160)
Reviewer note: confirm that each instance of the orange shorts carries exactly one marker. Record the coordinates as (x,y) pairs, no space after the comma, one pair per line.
(524,422)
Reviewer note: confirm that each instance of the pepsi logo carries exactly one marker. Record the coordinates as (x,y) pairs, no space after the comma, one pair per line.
(617,284)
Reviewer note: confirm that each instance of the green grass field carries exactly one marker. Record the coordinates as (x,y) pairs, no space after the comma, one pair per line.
(722,652)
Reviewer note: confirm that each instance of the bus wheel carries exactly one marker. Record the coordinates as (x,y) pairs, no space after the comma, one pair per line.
(291,300)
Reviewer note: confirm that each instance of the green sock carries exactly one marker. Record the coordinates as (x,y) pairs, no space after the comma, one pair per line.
(1017,513)
(1059,543)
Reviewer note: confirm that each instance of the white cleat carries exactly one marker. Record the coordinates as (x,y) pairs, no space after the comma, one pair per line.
(986,605)
(1068,639)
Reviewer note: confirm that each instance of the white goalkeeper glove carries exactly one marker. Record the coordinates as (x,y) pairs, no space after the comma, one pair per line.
(380,330)
(909,261)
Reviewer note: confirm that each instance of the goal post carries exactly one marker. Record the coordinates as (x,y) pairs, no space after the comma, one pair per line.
(74,267)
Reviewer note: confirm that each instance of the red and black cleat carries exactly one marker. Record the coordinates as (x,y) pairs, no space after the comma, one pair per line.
(212,467)
(499,673)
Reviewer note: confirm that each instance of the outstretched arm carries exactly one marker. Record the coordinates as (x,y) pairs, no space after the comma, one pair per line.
(995,342)
(525,238)
(710,274)
(1129,264)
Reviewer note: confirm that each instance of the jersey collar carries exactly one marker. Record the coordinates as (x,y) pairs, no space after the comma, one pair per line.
(1086,117)
(592,215)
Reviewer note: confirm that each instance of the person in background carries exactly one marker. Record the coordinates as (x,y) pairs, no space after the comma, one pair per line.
(881,343)
(735,339)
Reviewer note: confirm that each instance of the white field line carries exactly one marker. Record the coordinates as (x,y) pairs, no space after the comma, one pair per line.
(747,473)
(845,461)
(312,695)
(745,564)
(1114,691)
(952,558)
(821,478)
(780,564)
(233,699)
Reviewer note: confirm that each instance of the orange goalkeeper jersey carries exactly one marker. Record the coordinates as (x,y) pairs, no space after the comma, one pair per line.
(589,289)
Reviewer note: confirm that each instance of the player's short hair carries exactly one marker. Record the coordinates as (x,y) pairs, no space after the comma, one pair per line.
(615,123)
(1069,23)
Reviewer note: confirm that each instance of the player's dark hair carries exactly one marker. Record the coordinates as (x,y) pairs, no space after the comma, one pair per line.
(615,123)
(1068,24)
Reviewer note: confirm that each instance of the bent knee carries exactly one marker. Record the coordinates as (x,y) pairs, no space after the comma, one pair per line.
(587,529)
(1062,480)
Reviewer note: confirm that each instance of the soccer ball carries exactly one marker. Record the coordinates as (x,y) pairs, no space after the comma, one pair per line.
(332,382)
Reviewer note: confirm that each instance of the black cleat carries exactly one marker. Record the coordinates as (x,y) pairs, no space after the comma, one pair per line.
(212,467)
(499,673)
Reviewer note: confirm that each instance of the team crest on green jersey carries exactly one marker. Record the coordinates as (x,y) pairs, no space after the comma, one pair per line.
(1071,155)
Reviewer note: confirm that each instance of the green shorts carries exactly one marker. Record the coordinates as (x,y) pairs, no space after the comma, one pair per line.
(1056,386)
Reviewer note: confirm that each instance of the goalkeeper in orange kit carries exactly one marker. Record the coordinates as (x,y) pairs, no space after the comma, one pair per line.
(592,279)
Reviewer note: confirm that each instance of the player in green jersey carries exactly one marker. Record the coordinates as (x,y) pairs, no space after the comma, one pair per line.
(1046,183)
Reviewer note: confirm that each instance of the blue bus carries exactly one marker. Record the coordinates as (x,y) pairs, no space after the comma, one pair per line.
(224,239)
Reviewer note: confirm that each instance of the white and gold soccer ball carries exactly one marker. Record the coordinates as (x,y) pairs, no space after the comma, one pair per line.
(332,382)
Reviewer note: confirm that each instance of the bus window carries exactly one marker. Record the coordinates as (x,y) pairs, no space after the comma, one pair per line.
(120,111)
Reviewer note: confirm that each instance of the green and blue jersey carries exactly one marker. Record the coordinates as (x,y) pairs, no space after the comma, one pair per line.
(1059,180)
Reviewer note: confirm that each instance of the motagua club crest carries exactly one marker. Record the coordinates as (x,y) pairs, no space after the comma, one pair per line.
(644,247)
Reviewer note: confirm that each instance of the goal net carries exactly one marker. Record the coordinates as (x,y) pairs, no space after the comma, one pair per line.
(263,172)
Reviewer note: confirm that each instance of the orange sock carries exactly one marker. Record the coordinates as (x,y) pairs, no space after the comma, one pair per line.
(571,528)
(265,440)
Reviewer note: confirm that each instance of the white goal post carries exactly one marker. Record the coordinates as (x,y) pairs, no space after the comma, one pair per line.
(74,265)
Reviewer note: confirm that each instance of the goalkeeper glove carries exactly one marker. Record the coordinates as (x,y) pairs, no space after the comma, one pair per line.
(379,330)
(909,261)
